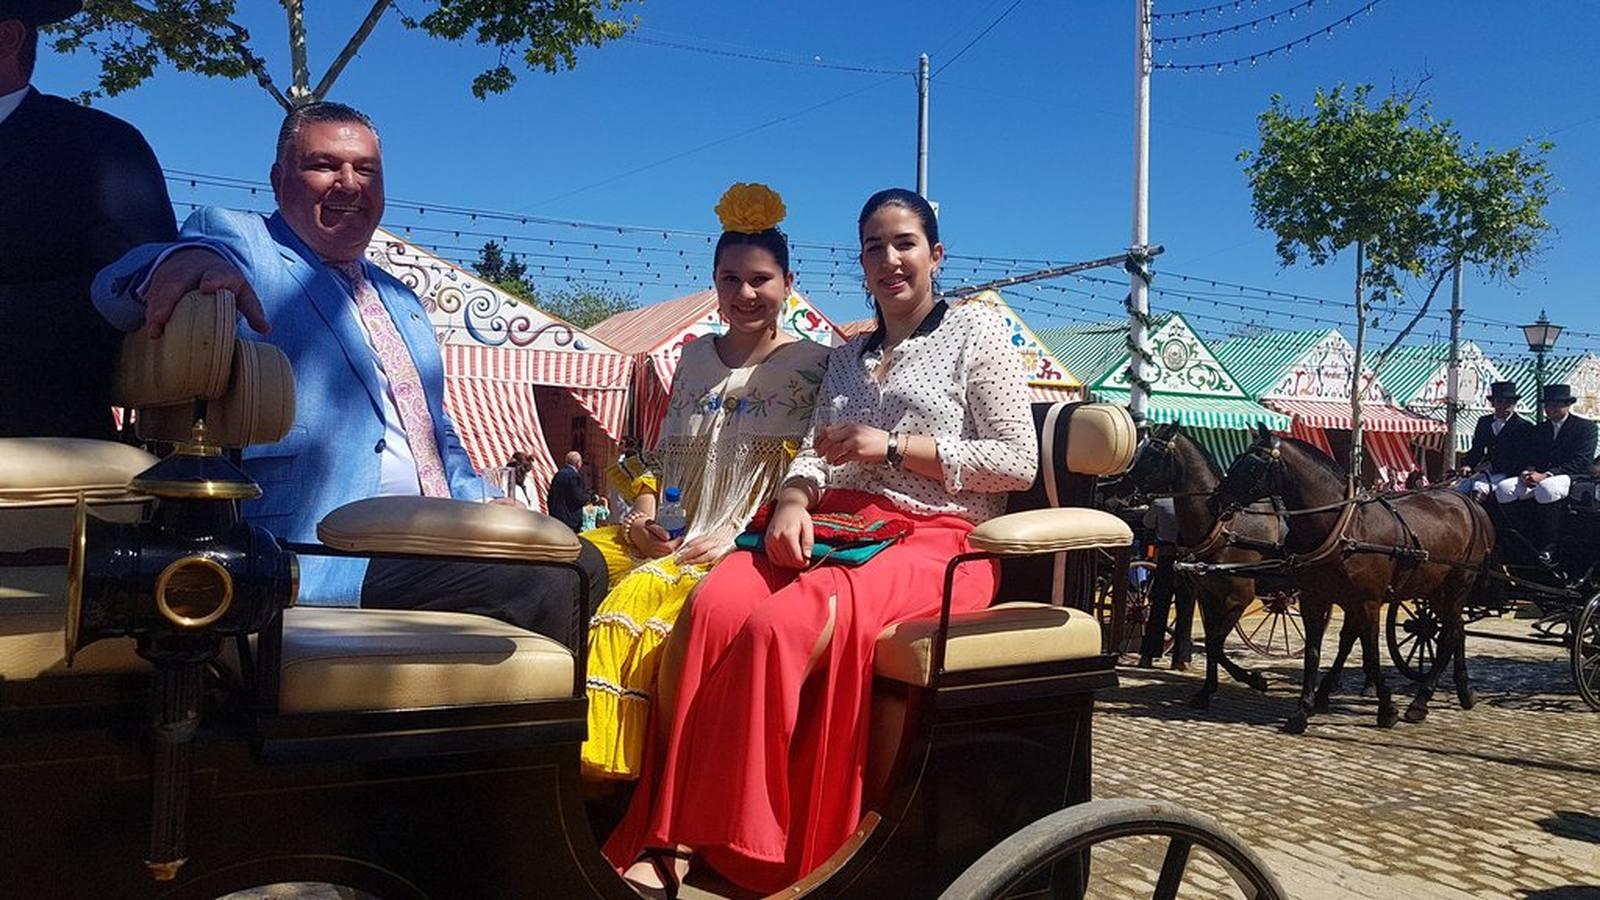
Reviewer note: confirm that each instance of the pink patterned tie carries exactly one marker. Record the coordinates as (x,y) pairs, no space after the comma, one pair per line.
(404,383)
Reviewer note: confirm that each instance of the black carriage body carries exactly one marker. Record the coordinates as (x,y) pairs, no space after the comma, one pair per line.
(485,801)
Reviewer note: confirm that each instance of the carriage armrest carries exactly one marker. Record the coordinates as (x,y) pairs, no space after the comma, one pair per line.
(1050,531)
(437,526)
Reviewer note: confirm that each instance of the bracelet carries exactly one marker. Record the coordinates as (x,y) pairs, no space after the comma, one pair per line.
(893,457)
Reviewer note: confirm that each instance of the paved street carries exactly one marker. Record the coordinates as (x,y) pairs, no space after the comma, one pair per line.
(1499,801)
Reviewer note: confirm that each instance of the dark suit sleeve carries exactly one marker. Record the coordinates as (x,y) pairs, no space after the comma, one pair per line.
(1578,454)
(1482,434)
(131,205)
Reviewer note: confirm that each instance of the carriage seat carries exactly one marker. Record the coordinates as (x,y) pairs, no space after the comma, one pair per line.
(340,659)
(1100,440)
(40,482)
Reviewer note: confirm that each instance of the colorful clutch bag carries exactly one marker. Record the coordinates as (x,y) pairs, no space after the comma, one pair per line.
(843,538)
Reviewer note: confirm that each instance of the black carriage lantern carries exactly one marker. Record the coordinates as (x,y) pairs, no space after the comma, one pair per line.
(1541,336)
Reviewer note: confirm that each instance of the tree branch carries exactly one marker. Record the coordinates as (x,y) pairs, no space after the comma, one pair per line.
(379,7)
(300,72)
(241,39)
(1421,312)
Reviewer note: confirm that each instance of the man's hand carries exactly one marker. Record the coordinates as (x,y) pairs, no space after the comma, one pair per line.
(1533,478)
(790,536)
(707,549)
(852,442)
(198,269)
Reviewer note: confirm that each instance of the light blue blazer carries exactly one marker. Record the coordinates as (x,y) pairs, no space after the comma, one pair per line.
(331,456)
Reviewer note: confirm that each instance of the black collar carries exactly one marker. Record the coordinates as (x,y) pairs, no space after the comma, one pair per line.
(929,322)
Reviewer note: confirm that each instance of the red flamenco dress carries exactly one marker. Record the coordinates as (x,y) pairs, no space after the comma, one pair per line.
(761,772)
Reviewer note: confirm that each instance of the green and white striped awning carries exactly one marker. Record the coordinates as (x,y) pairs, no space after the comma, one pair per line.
(1193,412)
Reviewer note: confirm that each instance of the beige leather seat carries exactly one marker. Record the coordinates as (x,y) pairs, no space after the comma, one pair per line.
(40,481)
(1022,632)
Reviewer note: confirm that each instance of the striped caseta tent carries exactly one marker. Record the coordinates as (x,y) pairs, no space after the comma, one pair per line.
(1190,387)
(1308,376)
(497,350)
(1418,378)
(654,337)
(1049,380)
(1581,373)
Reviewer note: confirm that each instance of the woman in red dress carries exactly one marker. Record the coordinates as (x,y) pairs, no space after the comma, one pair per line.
(757,756)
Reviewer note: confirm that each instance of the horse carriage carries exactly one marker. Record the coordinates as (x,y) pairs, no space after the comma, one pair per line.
(173,724)
(1434,558)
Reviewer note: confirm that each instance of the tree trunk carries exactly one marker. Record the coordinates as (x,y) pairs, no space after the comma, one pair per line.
(1355,371)
(300,83)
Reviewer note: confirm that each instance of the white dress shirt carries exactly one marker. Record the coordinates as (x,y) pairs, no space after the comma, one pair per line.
(10,102)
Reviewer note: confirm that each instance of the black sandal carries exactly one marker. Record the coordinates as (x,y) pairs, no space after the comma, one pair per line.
(663,860)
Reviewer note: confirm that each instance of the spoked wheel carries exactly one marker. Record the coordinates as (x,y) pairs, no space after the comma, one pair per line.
(1066,838)
(1586,653)
(1414,630)
(1272,628)
(1141,575)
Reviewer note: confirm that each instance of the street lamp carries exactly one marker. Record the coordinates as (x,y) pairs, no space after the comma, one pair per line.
(1541,336)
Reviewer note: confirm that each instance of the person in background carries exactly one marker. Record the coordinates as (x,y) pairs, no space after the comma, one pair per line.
(1165,587)
(78,188)
(520,465)
(1415,481)
(739,406)
(566,494)
(594,512)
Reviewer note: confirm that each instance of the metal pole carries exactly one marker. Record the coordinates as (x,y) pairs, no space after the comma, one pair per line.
(1452,402)
(1355,371)
(1138,297)
(922,125)
(1538,378)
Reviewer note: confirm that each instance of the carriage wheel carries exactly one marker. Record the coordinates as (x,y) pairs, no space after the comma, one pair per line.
(1068,836)
(1586,653)
(1413,630)
(1136,616)
(1272,627)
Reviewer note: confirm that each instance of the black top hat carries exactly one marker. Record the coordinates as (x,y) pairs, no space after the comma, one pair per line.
(39,12)
(1503,390)
(1557,393)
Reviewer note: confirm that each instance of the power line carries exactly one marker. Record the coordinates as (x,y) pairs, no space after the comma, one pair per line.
(815,62)
(990,27)
(1253,58)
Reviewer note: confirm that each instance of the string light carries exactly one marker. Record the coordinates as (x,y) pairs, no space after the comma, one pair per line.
(1286,49)
(1202,36)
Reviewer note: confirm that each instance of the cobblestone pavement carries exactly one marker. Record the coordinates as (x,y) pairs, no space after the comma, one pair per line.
(1499,801)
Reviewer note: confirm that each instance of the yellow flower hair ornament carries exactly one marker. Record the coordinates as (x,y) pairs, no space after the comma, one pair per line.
(750,208)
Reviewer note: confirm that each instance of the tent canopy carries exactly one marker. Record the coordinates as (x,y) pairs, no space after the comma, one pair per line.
(1336,415)
(1203,412)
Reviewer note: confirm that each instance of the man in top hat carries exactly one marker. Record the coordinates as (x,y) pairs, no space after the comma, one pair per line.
(1499,443)
(1561,446)
(78,189)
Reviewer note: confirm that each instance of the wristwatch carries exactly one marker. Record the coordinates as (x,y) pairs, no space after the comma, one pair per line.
(892,457)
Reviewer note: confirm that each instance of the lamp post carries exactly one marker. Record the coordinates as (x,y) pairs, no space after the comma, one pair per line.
(1541,336)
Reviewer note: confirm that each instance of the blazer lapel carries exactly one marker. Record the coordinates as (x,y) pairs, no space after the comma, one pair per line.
(331,298)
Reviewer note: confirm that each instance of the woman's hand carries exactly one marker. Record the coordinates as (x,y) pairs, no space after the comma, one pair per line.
(707,549)
(852,442)
(790,536)
(650,540)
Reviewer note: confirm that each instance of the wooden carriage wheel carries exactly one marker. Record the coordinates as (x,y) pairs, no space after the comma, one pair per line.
(1586,653)
(1271,626)
(1413,630)
(1136,615)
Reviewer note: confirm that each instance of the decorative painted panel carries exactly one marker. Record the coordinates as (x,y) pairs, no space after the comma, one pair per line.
(1585,383)
(1184,365)
(1041,365)
(1474,376)
(1324,373)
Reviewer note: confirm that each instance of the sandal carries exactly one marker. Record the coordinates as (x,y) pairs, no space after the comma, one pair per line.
(664,861)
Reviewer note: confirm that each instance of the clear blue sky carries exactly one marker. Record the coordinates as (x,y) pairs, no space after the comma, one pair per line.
(1031,134)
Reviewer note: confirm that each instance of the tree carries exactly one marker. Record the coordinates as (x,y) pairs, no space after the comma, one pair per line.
(1403,189)
(585,305)
(131,38)
(581,304)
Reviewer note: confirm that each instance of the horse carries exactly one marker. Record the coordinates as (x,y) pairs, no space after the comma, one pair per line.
(1358,551)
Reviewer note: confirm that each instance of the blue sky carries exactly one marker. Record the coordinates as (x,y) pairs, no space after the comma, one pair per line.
(1031,137)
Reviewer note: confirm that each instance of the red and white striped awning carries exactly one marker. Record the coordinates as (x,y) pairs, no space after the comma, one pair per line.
(1391,451)
(1336,414)
(1054,393)
(598,381)
(495,418)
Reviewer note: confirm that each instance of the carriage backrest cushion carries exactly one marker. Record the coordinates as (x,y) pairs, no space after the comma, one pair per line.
(1078,443)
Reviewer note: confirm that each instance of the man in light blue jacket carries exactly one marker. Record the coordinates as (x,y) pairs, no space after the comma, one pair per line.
(369,380)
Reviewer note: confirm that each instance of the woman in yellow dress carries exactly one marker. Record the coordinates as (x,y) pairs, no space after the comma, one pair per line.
(739,405)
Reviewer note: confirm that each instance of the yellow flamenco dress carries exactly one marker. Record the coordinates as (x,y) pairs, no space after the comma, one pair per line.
(726,441)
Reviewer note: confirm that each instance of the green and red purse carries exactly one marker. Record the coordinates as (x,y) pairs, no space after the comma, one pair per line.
(844,538)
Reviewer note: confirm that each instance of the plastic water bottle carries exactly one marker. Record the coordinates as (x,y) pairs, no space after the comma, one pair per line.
(670,516)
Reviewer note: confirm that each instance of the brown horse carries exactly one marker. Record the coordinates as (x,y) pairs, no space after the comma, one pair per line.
(1170,463)
(1359,553)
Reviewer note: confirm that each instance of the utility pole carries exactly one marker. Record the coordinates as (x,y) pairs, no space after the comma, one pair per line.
(1452,402)
(922,125)
(1355,371)
(1138,294)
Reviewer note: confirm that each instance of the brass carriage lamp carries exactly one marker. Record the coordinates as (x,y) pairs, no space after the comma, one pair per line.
(1541,337)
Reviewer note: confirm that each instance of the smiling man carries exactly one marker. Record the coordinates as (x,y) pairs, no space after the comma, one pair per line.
(369,381)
